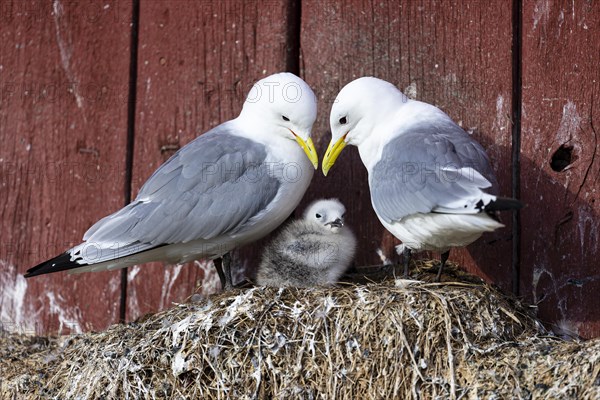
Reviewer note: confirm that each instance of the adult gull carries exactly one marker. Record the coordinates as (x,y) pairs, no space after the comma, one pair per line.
(431,183)
(228,187)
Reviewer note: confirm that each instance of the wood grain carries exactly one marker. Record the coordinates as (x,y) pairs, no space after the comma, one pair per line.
(456,56)
(63,127)
(63,80)
(560,163)
(197,61)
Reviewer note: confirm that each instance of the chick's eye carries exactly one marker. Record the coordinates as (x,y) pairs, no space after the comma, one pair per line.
(285,118)
(318,215)
(343,121)
(343,215)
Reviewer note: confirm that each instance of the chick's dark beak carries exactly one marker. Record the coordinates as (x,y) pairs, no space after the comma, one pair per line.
(338,223)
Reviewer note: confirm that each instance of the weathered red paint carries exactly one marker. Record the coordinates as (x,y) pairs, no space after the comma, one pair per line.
(63,81)
(63,103)
(561,107)
(456,56)
(197,61)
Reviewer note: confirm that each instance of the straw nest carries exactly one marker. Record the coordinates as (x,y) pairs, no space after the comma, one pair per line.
(395,339)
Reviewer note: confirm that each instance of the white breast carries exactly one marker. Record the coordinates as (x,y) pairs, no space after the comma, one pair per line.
(440,232)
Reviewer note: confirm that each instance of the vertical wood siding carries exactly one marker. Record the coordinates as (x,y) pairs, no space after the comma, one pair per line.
(63,112)
(197,61)
(560,164)
(435,52)
(64,81)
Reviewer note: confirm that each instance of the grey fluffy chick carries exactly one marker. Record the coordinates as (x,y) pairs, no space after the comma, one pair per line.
(313,251)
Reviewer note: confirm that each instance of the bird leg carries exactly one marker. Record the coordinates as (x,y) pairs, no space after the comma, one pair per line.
(406,252)
(223,266)
(218,262)
(227,271)
(443,260)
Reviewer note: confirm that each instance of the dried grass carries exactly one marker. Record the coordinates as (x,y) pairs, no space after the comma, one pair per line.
(395,339)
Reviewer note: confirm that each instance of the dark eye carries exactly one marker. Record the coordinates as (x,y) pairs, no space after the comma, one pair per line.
(318,215)
(343,215)
(343,121)
(285,118)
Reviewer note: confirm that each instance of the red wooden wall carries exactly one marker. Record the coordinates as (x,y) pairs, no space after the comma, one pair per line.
(64,87)
(63,122)
(561,108)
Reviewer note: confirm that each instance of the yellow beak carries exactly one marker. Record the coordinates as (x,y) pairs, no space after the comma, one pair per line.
(332,153)
(309,149)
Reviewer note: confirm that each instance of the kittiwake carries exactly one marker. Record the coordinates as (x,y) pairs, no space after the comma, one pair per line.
(431,183)
(313,251)
(228,187)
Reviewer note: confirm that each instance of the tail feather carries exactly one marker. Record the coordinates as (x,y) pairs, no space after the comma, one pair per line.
(502,204)
(59,263)
(63,262)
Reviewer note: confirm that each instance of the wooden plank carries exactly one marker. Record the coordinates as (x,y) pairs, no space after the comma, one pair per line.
(454,55)
(560,163)
(63,105)
(197,61)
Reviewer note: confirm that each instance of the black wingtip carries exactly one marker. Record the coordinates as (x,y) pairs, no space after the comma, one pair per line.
(60,263)
(503,204)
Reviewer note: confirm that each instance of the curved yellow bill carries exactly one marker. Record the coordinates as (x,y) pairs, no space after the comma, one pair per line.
(309,149)
(332,153)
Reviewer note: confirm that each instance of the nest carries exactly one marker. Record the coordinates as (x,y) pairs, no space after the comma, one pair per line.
(395,339)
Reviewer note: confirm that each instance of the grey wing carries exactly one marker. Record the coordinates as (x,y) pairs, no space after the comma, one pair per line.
(425,170)
(210,187)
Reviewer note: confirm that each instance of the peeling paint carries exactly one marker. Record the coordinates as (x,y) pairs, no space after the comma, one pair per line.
(133,305)
(568,132)
(168,281)
(19,315)
(588,227)
(384,259)
(14,313)
(561,20)
(569,123)
(501,121)
(65,49)
(539,271)
(211,283)
(500,111)
(113,290)
(541,13)
(66,315)
(132,273)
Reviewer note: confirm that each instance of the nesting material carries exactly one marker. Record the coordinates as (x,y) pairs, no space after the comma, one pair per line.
(394,339)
